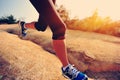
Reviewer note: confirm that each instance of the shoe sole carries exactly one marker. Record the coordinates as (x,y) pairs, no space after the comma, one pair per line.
(85,78)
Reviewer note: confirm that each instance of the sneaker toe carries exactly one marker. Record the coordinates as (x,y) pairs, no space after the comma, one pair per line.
(81,76)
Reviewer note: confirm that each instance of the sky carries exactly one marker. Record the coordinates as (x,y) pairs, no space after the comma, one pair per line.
(23,9)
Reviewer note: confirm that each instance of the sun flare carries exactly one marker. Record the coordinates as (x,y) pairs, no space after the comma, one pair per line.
(85,8)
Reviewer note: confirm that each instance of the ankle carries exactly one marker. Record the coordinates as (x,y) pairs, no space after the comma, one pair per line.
(30,25)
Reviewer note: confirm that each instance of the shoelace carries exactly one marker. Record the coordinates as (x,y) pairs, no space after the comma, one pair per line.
(73,71)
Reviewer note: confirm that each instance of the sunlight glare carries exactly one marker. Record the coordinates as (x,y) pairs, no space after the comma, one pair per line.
(85,8)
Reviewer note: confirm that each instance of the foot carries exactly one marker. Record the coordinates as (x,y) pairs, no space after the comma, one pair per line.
(23,32)
(73,74)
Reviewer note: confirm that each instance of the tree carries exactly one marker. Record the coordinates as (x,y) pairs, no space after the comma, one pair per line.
(8,20)
(63,13)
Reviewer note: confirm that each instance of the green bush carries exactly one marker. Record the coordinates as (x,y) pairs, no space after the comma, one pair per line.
(8,20)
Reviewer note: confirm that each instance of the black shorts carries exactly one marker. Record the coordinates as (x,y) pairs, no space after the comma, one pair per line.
(49,16)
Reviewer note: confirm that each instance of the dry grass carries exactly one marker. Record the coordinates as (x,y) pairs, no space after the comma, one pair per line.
(96,23)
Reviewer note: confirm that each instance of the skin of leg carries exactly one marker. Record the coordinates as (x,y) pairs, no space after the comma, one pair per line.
(48,12)
(30,25)
(61,52)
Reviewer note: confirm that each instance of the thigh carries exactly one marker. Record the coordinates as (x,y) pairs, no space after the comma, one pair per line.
(54,1)
(55,22)
(47,10)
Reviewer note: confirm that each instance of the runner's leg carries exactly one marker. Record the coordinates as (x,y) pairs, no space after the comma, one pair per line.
(47,10)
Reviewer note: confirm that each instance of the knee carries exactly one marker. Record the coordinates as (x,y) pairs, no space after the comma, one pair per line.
(59,32)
